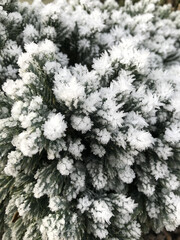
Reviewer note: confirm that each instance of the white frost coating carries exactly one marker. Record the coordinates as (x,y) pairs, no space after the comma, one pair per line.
(124,82)
(51,227)
(98,150)
(76,148)
(103,65)
(35,103)
(78,181)
(101,212)
(30,33)
(147,188)
(55,203)
(126,174)
(11,49)
(116,116)
(22,205)
(163,151)
(28,77)
(99,178)
(159,170)
(178,210)
(26,120)
(139,140)
(172,182)
(12,168)
(127,53)
(172,202)
(172,134)
(136,120)
(65,166)
(27,142)
(69,92)
(84,204)
(81,123)
(55,126)
(92,102)
(15,16)
(49,32)
(45,47)
(103,136)
(9,87)
(14,88)
(16,110)
(153,210)
(51,67)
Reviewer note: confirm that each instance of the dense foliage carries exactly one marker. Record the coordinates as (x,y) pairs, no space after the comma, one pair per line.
(89,120)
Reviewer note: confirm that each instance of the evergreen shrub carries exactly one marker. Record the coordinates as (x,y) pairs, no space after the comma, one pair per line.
(89,119)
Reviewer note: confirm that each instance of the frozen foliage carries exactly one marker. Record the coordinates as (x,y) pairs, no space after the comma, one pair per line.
(65,166)
(54,127)
(89,119)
